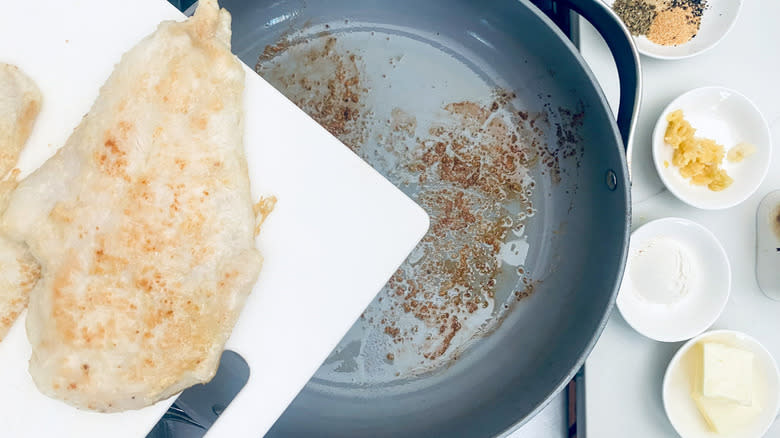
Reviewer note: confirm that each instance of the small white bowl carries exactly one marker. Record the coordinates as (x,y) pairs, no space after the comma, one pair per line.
(678,380)
(716,21)
(729,118)
(710,283)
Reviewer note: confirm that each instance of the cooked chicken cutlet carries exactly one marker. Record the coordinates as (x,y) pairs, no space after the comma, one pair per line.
(19,272)
(143,225)
(20,102)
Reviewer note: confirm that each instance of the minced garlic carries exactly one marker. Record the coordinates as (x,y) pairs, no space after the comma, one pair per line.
(740,152)
(697,158)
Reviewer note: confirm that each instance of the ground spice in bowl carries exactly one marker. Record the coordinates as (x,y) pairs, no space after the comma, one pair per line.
(664,22)
(672,27)
(638,15)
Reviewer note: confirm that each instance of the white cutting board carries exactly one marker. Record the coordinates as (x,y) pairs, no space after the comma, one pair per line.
(338,232)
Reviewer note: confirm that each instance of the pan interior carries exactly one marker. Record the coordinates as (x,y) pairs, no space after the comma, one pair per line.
(397,76)
(469,149)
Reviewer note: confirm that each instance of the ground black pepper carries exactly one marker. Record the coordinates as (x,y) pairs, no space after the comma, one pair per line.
(696,7)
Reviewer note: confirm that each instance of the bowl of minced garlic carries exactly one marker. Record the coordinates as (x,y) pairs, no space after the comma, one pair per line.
(712,148)
(674,29)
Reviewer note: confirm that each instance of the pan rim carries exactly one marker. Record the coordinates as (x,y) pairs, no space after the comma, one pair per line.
(623,177)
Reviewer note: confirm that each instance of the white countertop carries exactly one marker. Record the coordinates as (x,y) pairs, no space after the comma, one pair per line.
(625,370)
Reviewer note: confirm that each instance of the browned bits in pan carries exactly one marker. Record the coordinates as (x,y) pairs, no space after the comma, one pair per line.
(470,170)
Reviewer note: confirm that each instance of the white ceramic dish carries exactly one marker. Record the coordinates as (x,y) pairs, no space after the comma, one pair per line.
(708,294)
(681,409)
(729,118)
(717,21)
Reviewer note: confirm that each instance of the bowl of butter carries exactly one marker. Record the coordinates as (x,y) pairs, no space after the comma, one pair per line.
(722,383)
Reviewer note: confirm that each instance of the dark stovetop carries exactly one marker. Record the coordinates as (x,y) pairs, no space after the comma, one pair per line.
(559,14)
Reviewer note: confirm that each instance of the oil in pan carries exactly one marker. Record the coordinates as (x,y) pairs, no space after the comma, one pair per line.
(472,154)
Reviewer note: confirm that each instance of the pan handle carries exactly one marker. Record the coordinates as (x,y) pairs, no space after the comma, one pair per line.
(626,57)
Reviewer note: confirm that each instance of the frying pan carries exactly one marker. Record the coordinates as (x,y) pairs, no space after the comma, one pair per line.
(577,239)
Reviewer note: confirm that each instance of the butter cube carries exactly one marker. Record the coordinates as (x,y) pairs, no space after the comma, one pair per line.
(727,374)
(725,417)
